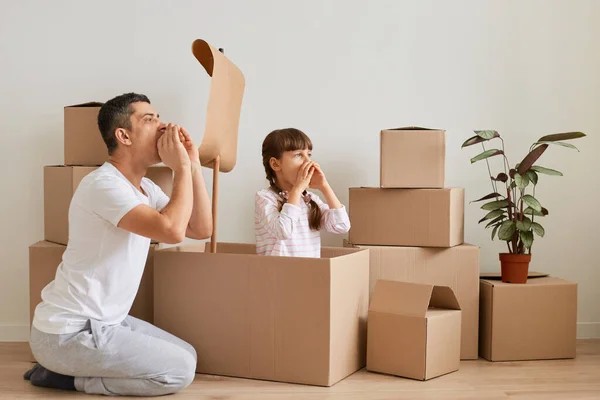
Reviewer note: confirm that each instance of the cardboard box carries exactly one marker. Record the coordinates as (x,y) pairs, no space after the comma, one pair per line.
(407,217)
(60,183)
(44,259)
(455,267)
(413,157)
(83,142)
(532,321)
(286,319)
(414,330)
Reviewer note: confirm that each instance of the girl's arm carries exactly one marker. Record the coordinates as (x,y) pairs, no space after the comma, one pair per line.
(334,219)
(271,221)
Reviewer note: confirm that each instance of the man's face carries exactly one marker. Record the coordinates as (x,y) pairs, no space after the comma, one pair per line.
(146,128)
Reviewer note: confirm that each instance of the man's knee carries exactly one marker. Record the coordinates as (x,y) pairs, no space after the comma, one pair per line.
(188,370)
(192,350)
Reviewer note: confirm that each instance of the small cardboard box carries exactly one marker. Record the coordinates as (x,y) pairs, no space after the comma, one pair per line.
(407,217)
(44,259)
(413,157)
(456,267)
(286,319)
(60,183)
(532,321)
(413,330)
(83,142)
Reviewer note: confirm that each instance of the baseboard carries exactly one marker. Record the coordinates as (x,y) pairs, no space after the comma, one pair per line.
(20,333)
(588,330)
(14,333)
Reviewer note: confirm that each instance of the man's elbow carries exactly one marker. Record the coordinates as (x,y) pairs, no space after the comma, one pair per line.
(174,236)
(202,233)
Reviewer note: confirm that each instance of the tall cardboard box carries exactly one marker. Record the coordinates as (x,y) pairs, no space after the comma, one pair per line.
(456,267)
(413,157)
(532,321)
(82,139)
(60,183)
(286,319)
(44,259)
(413,330)
(407,217)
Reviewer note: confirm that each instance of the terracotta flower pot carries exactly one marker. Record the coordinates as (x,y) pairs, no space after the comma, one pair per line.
(515,267)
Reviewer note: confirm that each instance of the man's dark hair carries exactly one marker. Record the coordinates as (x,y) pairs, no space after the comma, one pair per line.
(115,114)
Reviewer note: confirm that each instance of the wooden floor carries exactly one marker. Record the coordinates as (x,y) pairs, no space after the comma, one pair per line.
(561,379)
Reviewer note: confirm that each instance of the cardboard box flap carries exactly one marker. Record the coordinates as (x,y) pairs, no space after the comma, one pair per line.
(412,128)
(224,107)
(443,297)
(402,298)
(88,104)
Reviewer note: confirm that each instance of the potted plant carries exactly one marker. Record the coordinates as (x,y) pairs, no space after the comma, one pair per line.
(512,209)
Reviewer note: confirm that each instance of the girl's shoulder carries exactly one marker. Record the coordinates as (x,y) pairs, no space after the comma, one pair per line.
(268,194)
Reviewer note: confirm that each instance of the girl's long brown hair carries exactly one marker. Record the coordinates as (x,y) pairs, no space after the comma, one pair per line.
(274,145)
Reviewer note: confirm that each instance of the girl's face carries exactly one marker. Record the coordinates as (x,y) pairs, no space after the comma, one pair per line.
(286,168)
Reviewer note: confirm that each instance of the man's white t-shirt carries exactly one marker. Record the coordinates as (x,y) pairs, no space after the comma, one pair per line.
(102,266)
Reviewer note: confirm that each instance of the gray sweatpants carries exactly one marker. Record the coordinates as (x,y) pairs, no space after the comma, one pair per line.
(133,358)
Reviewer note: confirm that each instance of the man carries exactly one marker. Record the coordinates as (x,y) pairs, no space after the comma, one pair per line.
(82,335)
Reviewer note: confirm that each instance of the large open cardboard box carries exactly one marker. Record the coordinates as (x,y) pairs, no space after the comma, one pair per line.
(456,267)
(536,320)
(287,319)
(44,259)
(413,330)
(60,184)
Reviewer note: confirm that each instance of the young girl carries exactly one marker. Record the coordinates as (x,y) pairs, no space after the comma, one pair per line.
(288,218)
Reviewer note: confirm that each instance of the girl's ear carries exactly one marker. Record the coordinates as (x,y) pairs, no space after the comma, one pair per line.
(275,164)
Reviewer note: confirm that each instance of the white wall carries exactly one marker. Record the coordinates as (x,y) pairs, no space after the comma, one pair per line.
(339,70)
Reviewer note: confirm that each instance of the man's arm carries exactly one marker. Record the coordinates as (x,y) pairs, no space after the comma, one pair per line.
(200,223)
(170,224)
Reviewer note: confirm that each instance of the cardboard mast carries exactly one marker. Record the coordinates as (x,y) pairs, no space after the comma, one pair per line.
(218,149)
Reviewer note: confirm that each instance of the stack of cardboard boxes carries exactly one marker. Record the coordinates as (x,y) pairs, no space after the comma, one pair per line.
(84,152)
(414,229)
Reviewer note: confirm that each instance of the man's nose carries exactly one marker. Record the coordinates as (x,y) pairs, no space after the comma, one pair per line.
(162,126)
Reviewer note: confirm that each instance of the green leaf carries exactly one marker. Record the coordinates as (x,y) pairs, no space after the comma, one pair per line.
(555,137)
(533,177)
(487,135)
(513,185)
(492,215)
(502,177)
(531,158)
(486,154)
(524,225)
(526,238)
(495,220)
(521,180)
(547,171)
(530,211)
(538,229)
(532,202)
(494,231)
(569,145)
(488,196)
(478,139)
(495,205)
(507,230)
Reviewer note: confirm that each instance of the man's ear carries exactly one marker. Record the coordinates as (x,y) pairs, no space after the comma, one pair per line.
(275,164)
(123,137)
